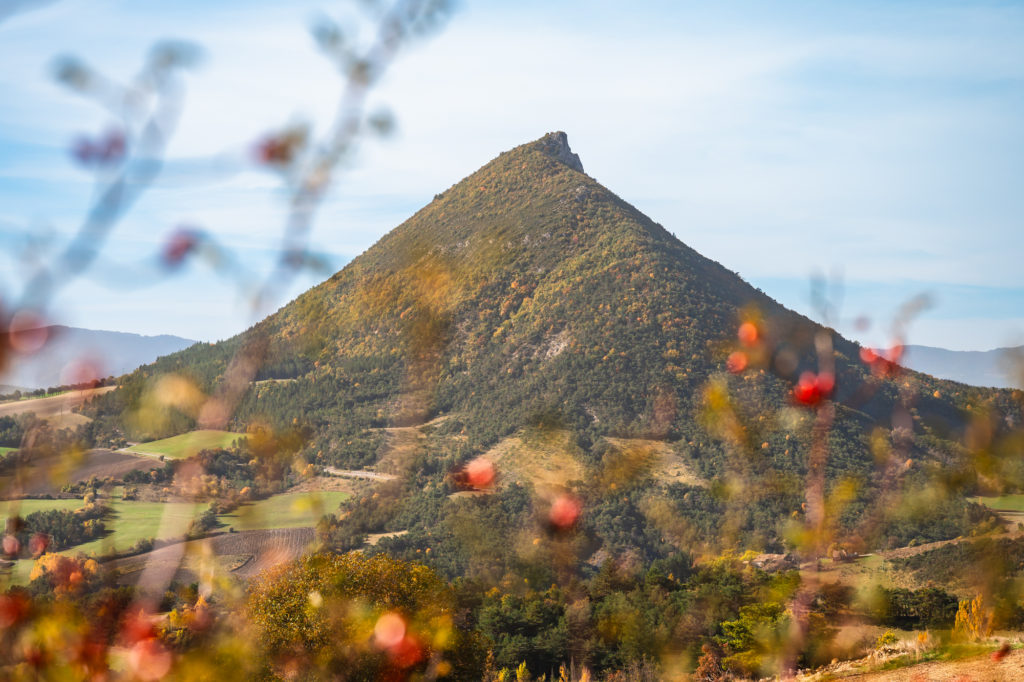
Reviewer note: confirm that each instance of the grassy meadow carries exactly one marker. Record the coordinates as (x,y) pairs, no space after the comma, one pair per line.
(132,521)
(288,510)
(187,444)
(25,507)
(128,522)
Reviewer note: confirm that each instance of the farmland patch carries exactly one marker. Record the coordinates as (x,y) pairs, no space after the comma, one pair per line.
(289,510)
(46,476)
(59,410)
(187,444)
(245,555)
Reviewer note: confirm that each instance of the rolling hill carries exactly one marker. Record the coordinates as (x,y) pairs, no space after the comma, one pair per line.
(528,298)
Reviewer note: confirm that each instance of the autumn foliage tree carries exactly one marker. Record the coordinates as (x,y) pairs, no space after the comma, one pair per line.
(353,617)
(974,619)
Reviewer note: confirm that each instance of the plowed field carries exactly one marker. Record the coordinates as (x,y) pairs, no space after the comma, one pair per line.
(245,554)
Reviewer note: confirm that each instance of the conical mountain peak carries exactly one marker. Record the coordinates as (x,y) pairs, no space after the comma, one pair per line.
(528,295)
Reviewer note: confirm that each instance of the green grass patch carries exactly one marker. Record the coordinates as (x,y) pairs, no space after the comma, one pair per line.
(290,510)
(187,444)
(4,451)
(25,507)
(874,561)
(1003,502)
(131,521)
(21,571)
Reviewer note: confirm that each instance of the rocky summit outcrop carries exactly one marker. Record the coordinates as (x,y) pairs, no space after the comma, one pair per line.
(556,145)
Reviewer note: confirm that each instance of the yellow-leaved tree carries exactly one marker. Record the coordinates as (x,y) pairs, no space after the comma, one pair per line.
(973,620)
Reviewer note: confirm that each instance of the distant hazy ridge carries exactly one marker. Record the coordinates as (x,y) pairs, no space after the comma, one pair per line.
(113,353)
(978,368)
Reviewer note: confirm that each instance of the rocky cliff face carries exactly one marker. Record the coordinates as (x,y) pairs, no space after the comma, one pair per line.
(556,145)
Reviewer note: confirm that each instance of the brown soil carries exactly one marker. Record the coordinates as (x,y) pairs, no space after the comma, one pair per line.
(318,484)
(374,538)
(47,475)
(58,410)
(400,448)
(904,552)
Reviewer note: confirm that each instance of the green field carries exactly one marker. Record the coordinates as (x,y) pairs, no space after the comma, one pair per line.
(132,521)
(290,510)
(187,444)
(1004,502)
(21,571)
(129,522)
(26,507)
(4,451)
(22,567)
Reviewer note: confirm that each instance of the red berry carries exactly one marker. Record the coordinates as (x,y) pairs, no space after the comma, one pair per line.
(813,388)
(564,512)
(182,242)
(480,473)
(748,334)
(737,362)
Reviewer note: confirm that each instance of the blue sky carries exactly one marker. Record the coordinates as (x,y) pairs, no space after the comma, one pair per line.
(879,144)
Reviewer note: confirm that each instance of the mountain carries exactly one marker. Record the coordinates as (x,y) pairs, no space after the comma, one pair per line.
(109,353)
(528,306)
(998,367)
